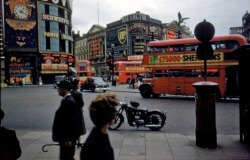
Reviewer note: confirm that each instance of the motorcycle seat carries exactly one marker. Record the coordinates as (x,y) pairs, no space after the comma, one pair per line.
(142,109)
(134,104)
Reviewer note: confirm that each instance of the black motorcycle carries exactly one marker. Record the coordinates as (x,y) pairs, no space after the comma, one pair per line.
(137,117)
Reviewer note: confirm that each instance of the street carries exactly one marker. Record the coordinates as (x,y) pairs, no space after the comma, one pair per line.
(33,108)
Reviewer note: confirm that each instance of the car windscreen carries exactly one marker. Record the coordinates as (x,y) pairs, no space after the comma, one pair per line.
(59,78)
(98,79)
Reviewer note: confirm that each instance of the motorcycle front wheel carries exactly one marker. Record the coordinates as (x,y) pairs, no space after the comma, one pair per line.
(156,120)
(118,122)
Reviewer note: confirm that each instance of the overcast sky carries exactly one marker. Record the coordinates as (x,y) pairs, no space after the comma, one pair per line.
(223,14)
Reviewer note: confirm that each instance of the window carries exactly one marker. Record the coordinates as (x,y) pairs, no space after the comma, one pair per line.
(161,73)
(192,73)
(176,73)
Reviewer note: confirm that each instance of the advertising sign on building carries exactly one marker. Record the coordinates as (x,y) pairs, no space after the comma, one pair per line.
(21,68)
(20,23)
(54,63)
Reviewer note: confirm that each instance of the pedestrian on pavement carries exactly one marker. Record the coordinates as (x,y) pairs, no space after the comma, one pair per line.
(79,103)
(114,80)
(132,82)
(21,82)
(9,144)
(65,123)
(102,113)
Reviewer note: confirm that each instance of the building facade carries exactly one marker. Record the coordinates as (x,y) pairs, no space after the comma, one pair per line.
(244,29)
(121,40)
(246,25)
(130,34)
(92,46)
(38,41)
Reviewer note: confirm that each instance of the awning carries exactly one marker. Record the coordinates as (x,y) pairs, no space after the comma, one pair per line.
(72,69)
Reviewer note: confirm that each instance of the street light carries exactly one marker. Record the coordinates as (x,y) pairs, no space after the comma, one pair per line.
(112,56)
(152,29)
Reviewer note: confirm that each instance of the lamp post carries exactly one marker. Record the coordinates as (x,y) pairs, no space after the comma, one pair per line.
(112,56)
(152,29)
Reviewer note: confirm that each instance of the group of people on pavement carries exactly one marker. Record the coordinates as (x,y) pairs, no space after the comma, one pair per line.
(69,126)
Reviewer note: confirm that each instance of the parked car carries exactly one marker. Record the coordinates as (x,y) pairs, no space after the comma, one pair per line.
(95,83)
(57,80)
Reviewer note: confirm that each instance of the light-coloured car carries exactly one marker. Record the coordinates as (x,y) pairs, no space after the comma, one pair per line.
(95,83)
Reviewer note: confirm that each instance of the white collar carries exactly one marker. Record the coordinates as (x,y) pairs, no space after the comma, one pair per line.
(66,95)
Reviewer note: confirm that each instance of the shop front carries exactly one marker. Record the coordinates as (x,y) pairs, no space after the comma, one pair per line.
(53,65)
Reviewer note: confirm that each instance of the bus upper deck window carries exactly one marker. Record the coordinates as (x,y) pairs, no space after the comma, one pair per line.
(149,50)
(170,49)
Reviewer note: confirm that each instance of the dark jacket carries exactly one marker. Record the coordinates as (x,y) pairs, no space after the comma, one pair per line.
(65,121)
(81,129)
(97,147)
(9,145)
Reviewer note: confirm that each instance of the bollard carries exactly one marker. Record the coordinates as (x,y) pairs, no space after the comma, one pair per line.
(205,114)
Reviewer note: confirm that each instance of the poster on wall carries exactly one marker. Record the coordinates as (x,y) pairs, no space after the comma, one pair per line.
(21,69)
(54,63)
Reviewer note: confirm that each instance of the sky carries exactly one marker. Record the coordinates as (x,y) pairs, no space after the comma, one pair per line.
(223,14)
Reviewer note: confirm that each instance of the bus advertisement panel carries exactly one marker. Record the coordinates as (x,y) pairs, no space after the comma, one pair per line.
(84,70)
(127,70)
(174,66)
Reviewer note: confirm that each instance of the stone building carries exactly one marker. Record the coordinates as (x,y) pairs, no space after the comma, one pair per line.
(246,25)
(121,40)
(244,29)
(91,46)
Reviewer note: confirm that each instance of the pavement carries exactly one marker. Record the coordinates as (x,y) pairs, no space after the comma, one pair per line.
(141,145)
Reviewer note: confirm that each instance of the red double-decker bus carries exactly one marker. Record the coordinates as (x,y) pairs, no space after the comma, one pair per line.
(174,66)
(126,70)
(84,70)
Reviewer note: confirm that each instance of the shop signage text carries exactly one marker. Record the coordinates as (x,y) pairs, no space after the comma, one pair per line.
(49,34)
(132,17)
(182,58)
(55,18)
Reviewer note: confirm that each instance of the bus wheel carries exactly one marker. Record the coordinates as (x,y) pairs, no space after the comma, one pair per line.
(145,92)
(156,95)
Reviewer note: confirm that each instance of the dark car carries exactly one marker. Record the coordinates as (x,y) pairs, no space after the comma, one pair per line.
(95,83)
(58,79)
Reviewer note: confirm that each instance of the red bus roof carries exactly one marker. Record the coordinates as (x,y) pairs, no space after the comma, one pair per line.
(128,62)
(86,61)
(241,39)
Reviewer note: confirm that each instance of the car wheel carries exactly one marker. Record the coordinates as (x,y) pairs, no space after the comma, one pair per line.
(145,92)
(104,90)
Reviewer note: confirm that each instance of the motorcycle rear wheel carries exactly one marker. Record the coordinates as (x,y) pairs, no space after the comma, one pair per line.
(156,118)
(118,122)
